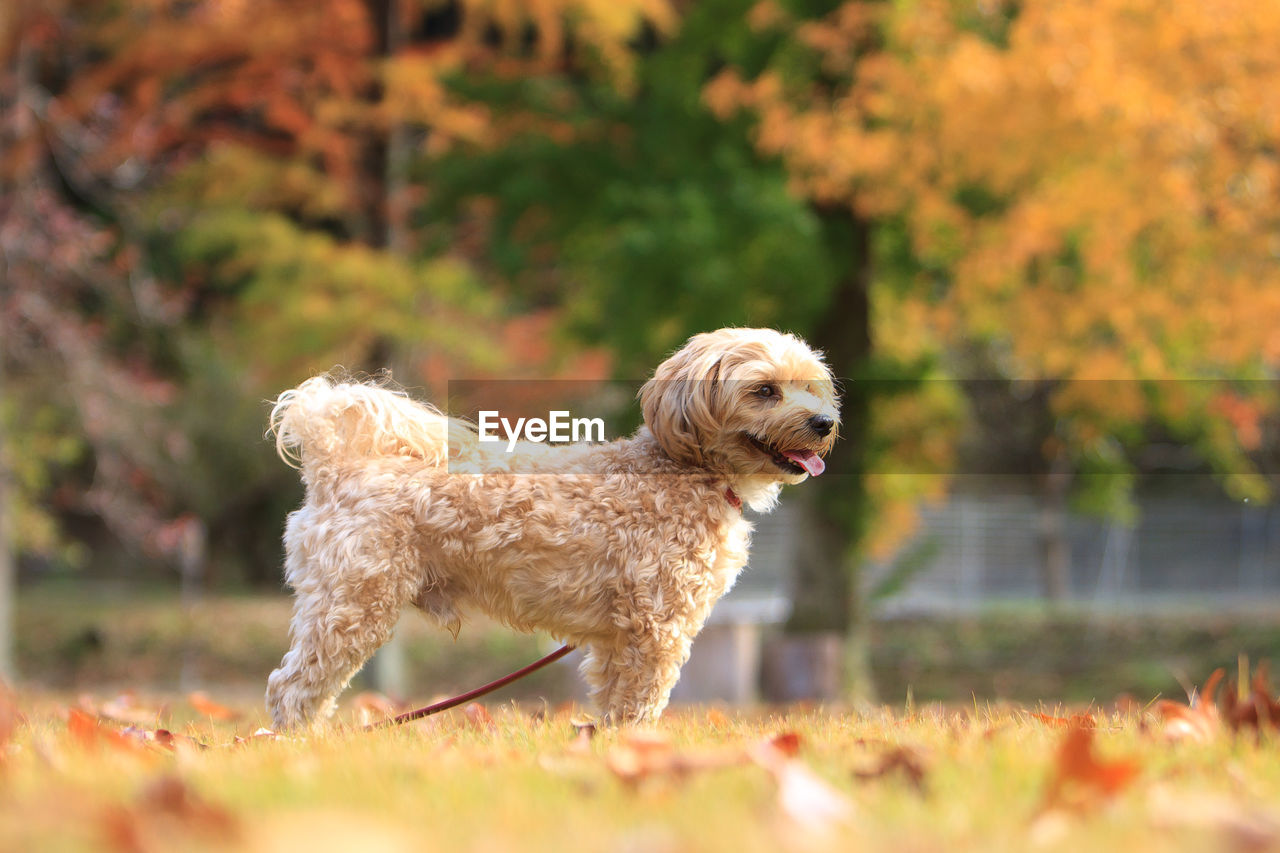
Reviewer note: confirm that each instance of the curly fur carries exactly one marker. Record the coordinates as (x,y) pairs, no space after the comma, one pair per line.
(619,548)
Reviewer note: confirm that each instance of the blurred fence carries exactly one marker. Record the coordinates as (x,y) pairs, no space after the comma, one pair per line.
(988,547)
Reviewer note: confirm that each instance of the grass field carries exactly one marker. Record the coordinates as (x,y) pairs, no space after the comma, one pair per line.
(88,764)
(76,636)
(94,773)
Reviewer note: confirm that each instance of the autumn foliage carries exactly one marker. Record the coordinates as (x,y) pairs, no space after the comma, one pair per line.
(202,202)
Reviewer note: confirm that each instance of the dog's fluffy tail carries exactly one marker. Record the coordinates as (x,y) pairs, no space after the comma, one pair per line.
(325,421)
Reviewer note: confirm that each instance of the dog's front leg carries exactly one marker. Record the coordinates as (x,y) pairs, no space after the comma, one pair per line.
(631,679)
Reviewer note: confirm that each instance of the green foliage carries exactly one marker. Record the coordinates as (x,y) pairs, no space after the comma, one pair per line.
(37,446)
(654,219)
(303,300)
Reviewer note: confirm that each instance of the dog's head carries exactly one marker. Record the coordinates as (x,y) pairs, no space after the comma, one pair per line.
(756,405)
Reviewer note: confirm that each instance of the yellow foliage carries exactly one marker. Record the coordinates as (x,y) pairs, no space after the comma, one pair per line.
(1131,141)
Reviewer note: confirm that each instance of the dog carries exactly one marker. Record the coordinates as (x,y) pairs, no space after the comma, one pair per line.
(618,548)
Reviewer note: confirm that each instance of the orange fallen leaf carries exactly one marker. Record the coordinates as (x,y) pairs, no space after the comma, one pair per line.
(200,701)
(644,755)
(82,727)
(165,815)
(1080,779)
(478,718)
(1198,721)
(640,755)
(163,739)
(788,743)
(717,718)
(807,801)
(88,731)
(1256,710)
(371,707)
(1084,721)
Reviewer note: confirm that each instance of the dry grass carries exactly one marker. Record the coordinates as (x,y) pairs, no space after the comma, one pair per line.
(977,778)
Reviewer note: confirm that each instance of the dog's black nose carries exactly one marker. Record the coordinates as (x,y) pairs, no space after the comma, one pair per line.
(821,424)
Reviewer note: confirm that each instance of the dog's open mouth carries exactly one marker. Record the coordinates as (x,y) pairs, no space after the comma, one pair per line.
(801,461)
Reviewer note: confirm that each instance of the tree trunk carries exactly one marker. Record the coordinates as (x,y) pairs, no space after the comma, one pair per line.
(25,75)
(1055,566)
(7,575)
(386,220)
(826,599)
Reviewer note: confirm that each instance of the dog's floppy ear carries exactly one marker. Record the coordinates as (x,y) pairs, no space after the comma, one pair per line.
(680,402)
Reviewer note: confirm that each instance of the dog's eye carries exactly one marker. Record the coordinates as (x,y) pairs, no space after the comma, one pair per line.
(767,391)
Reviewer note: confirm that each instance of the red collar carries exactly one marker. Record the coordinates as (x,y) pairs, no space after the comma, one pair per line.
(732,497)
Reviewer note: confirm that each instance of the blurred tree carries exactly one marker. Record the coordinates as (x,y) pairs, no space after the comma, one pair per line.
(652,216)
(832,161)
(1120,236)
(987,172)
(203,203)
(75,383)
(1096,217)
(629,204)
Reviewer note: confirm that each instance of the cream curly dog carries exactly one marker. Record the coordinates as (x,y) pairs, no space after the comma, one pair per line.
(619,548)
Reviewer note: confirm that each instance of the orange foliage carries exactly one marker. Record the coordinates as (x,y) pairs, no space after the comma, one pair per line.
(1093,184)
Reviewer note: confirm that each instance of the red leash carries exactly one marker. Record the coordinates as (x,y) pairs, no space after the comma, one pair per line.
(410,716)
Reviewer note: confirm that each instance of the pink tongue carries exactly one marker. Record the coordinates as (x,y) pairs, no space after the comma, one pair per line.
(808,460)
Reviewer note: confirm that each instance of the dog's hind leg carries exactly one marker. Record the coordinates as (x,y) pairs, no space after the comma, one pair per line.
(337,625)
(331,639)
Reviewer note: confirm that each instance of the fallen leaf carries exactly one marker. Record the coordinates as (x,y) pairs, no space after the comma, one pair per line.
(166,815)
(1082,721)
(1255,710)
(643,755)
(900,759)
(805,800)
(371,707)
(90,733)
(263,734)
(788,743)
(1198,721)
(163,739)
(126,709)
(170,795)
(203,705)
(478,718)
(717,718)
(581,744)
(639,756)
(1080,779)
(82,727)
